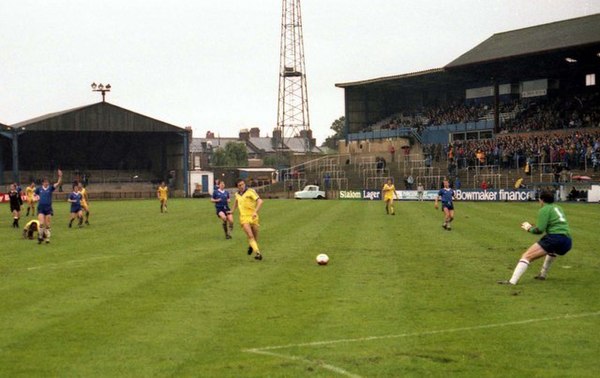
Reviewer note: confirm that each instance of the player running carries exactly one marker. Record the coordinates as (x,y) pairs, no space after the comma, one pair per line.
(31,228)
(163,194)
(557,241)
(44,210)
(29,192)
(446,195)
(249,204)
(389,193)
(15,204)
(76,208)
(85,202)
(221,200)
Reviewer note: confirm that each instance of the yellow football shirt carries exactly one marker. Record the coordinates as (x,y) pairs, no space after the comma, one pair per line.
(388,191)
(29,192)
(246,202)
(84,195)
(162,192)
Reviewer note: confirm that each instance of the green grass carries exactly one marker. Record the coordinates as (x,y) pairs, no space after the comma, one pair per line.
(141,293)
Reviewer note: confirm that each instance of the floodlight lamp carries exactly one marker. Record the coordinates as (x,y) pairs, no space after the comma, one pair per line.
(93,86)
(108,86)
(571,60)
(598,54)
(100,86)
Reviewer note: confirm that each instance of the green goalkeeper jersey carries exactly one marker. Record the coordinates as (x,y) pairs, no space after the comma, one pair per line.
(552,220)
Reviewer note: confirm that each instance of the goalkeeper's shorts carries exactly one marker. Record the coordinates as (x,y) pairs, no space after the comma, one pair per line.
(556,244)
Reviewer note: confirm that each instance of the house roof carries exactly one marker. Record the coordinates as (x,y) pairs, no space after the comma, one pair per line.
(197,143)
(263,144)
(299,145)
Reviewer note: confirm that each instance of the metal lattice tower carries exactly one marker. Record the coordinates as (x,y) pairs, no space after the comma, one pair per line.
(292,108)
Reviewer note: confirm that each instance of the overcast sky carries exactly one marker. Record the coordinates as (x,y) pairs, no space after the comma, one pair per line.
(213,65)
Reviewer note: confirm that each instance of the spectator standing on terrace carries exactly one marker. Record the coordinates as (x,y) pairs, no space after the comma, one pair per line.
(406,150)
(557,241)
(327,180)
(480,155)
(392,153)
(428,161)
(409,182)
(420,190)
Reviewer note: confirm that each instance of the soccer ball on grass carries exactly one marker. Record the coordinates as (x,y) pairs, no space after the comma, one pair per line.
(322,259)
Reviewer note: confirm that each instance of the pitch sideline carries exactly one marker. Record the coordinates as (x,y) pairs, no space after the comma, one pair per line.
(266,350)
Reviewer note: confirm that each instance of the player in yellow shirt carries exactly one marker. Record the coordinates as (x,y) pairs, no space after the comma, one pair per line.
(389,193)
(249,203)
(163,194)
(29,192)
(31,228)
(84,202)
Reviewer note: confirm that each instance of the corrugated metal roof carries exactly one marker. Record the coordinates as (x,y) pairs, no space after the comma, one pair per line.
(541,38)
(521,42)
(101,116)
(390,78)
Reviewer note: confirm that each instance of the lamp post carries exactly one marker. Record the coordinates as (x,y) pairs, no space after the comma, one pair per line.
(102,89)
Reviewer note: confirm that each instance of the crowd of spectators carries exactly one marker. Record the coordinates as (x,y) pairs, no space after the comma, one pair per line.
(578,149)
(552,114)
(535,114)
(456,113)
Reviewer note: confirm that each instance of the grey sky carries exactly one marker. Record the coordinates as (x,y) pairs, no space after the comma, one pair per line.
(213,65)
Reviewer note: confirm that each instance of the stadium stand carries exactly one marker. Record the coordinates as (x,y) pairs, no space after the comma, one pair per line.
(117,152)
(523,104)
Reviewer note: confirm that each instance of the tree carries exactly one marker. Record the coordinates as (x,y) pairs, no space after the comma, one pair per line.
(338,126)
(232,155)
(277,161)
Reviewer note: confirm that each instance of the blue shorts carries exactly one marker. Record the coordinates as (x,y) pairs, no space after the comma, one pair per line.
(75,209)
(556,244)
(45,210)
(225,210)
(449,206)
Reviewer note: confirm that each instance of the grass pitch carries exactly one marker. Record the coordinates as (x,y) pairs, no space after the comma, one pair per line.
(139,293)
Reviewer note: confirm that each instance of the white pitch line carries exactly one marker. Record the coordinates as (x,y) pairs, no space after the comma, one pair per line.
(266,350)
(325,366)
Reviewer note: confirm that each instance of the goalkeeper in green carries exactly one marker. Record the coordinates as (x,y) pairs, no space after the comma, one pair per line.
(557,241)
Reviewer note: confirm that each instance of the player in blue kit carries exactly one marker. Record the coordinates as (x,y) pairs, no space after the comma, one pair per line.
(446,195)
(221,200)
(45,212)
(75,198)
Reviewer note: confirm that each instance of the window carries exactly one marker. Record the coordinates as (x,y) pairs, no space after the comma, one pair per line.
(590,80)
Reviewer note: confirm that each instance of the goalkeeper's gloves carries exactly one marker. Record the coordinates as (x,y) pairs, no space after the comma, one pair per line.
(526,226)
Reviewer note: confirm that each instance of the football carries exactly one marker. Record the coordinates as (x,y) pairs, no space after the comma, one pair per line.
(322,259)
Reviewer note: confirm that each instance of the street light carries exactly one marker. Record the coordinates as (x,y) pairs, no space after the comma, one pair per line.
(102,89)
